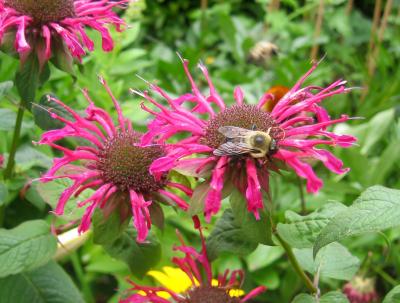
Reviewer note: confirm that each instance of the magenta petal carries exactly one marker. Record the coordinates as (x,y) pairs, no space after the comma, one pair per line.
(141,215)
(303,169)
(253,191)
(214,196)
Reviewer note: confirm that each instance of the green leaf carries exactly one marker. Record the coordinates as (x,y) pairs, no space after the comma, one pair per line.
(28,157)
(7,120)
(258,231)
(377,208)
(393,296)
(334,297)
(25,247)
(263,256)
(330,297)
(62,58)
(333,261)
(5,87)
(140,257)
(46,284)
(50,193)
(196,203)
(27,79)
(228,236)
(42,117)
(301,231)
(107,230)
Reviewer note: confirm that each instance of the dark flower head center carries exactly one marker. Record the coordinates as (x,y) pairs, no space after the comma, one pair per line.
(43,11)
(208,294)
(126,165)
(244,116)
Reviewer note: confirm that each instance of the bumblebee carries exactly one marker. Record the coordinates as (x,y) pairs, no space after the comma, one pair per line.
(241,141)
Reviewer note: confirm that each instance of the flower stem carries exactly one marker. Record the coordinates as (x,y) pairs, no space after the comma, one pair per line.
(76,264)
(302,198)
(17,131)
(292,258)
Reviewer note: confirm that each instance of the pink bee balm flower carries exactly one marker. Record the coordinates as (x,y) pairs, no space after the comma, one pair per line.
(188,284)
(297,127)
(111,162)
(1,160)
(42,24)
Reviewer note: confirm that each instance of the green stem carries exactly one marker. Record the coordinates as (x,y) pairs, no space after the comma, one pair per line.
(292,258)
(14,145)
(386,276)
(76,264)
(302,198)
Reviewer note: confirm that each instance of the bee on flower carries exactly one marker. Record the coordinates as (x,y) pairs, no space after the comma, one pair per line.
(294,130)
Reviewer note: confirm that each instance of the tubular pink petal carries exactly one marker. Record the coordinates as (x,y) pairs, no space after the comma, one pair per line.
(330,161)
(214,196)
(238,95)
(178,200)
(20,40)
(214,96)
(303,169)
(181,187)
(116,104)
(200,97)
(253,191)
(255,292)
(141,215)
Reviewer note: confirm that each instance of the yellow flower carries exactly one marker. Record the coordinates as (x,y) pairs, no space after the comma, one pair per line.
(176,280)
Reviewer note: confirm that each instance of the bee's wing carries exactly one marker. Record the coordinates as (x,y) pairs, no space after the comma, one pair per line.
(233,149)
(233,132)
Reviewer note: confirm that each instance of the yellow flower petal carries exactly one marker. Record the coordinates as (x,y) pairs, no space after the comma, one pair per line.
(172,278)
(236,293)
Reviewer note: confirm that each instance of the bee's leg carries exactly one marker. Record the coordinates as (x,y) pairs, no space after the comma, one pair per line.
(253,127)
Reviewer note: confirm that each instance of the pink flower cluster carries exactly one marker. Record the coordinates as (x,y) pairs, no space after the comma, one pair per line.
(193,264)
(111,163)
(41,25)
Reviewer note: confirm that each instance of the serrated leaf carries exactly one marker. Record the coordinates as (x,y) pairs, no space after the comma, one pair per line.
(25,247)
(258,231)
(377,208)
(304,298)
(301,231)
(140,257)
(393,296)
(27,79)
(5,87)
(333,261)
(46,284)
(227,236)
